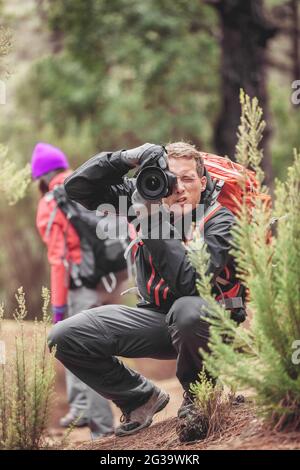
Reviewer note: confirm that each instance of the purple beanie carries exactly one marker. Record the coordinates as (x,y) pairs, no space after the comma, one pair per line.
(46,158)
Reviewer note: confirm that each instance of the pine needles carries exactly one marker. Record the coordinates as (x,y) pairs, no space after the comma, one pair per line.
(250,133)
(260,358)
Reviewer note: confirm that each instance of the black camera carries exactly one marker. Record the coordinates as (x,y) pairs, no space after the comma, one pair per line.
(155,181)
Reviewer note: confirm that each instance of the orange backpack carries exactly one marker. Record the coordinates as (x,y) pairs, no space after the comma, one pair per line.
(228,175)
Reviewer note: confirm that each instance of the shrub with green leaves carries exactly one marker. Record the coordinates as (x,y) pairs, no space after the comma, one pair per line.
(212,411)
(261,357)
(13,181)
(5,46)
(26,380)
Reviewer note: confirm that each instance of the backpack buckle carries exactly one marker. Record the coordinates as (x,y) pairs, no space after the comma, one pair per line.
(109,287)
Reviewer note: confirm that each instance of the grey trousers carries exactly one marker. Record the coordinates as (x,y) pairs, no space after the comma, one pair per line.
(88,343)
(83,400)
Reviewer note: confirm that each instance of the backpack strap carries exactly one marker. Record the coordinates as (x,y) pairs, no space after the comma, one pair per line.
(217,189)
(210,211)
(109,287)
(231,303)
(213,206)
(49,197)
(133,242)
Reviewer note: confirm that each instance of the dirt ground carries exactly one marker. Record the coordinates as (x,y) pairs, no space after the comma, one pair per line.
(245,433)
(244,430)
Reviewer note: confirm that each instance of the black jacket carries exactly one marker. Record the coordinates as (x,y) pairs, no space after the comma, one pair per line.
(164,272)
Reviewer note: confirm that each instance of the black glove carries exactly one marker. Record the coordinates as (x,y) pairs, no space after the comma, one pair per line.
(144,155)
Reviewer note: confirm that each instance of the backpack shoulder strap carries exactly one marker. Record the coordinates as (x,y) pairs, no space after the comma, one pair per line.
(59,196)
(217,189)
(210,211)
(214,205)
(49,197)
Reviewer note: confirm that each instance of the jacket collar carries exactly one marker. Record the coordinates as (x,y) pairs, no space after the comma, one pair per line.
(59,179)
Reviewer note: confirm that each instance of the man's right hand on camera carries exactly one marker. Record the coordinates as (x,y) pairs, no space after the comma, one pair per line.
(145,154)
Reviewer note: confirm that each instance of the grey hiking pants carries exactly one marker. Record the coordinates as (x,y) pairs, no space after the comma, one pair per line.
(83,400)
(88,343)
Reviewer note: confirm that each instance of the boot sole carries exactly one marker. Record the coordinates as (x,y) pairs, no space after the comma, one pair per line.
(162,401)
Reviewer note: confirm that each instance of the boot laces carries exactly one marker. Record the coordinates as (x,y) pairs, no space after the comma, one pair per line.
(187,397)
(125,418)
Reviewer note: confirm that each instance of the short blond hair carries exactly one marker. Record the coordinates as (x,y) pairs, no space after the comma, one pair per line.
(186,150)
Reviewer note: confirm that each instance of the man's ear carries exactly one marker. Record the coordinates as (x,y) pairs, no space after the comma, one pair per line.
(203,183)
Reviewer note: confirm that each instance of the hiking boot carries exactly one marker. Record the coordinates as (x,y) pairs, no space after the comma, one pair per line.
(71,419)
(141,417)
(186,406)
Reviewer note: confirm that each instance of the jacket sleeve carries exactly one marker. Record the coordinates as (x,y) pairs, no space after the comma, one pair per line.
(101,180)
(55,250)
(171,260)
(59,275)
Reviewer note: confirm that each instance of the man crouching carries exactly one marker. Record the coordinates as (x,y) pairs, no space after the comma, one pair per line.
(170,321)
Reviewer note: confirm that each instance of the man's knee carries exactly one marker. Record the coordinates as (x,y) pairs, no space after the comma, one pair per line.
(188,313)
(82,334)
(57,336)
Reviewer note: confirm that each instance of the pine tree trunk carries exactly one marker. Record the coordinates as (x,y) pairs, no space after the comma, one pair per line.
(245,34)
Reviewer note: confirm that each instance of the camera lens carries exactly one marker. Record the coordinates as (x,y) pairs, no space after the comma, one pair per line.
(152,183)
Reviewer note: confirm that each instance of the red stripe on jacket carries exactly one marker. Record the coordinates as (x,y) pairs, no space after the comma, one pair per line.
(149,283)
(156,292)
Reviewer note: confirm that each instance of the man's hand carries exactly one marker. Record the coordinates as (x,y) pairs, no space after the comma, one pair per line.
(144,155)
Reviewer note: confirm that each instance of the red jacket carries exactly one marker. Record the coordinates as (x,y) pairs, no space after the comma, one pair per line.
(62,242)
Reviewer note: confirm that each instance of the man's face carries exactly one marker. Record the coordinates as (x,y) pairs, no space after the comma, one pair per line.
(187,192)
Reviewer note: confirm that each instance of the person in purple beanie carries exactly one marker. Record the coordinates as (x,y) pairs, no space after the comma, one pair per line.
(50,167)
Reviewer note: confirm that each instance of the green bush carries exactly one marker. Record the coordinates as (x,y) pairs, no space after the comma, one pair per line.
(26,381)
(261,357)
(13,181)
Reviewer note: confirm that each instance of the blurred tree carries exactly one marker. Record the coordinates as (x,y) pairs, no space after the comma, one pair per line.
(283,63)
(246,31)
(5,45)
(286,14)
(296,37)
(154,65)
(113,74)
(13,181)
